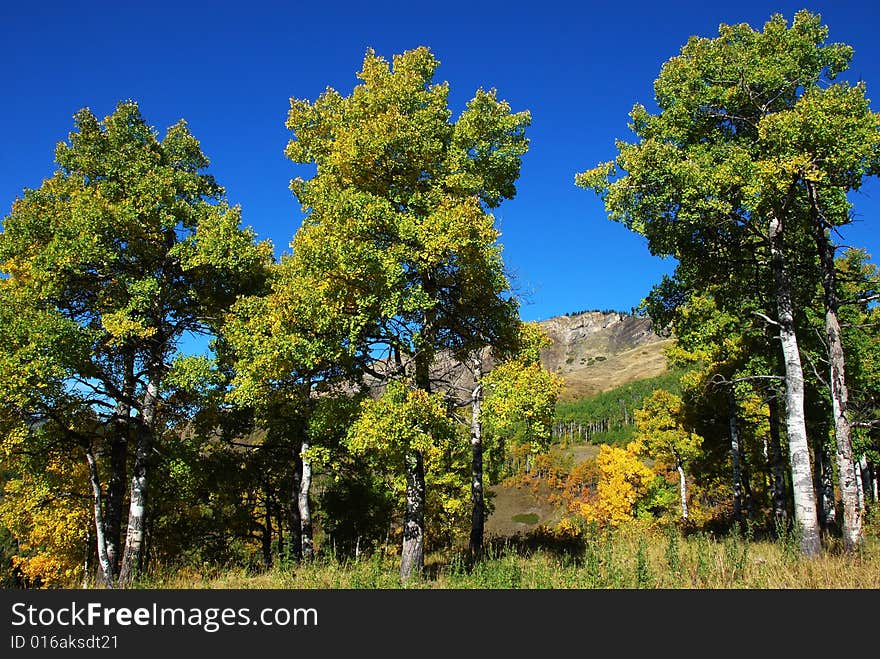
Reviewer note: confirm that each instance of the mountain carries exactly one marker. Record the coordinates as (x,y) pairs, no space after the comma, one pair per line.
(595,351)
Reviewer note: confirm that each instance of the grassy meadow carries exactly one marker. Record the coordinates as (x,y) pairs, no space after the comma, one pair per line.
(634,557)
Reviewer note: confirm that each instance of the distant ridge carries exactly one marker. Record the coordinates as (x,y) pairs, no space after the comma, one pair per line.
(595,351)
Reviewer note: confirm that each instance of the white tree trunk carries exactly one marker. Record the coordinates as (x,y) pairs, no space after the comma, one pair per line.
(860,489)
(735,455)
(132,557)
(477,501)
(294,552)
(796,427)
(120,431)
(304,504)
(97,508)
(875,481)
(852,518)
(682,488)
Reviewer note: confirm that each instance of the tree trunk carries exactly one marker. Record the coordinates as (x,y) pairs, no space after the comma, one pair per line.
(120,431)
(682,488)
(412,559)
(825,487)
(860,492)
(89,558)
(869,471)
(865,480)
(294,550)
(304,505)
(798,447)
(745,475)
(779,508)
(97,508)
(267,528)
(875,481)
(734,455)
(852,518)
(132,558)
(279,524)
(478,512)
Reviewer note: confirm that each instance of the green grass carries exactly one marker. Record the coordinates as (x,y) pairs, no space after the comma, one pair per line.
(628,558)
(526,518)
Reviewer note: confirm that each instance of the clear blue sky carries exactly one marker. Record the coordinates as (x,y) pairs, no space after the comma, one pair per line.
(230,69)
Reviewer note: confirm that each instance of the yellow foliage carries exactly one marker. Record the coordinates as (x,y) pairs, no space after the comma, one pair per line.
(49,516)
(623,480)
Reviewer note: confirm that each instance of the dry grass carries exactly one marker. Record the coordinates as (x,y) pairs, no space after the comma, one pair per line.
(511,502)
(630,558)
(618,369)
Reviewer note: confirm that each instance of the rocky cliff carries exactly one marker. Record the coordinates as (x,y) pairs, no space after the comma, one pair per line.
(595,351)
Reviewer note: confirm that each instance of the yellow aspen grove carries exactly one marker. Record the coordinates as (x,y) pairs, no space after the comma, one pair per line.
(623,480)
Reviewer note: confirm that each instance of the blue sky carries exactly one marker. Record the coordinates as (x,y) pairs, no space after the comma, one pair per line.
(230,70)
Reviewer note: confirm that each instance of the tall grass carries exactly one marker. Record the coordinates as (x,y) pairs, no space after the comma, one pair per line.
(624,559)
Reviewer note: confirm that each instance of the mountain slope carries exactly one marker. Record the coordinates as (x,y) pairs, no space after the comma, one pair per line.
(596,351)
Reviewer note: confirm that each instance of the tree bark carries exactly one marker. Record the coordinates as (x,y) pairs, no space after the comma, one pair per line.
(796,428)
(109,574)
(874,479)
(682,489)
(860,491)
(120,432)
(412,559)
(478,511)
(304,504)
(132,558)
(88,560)
(852,518)
(294,551)
(825,487)
(745,475)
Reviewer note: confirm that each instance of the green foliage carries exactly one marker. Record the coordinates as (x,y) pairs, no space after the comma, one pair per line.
(396,211)
(398,259)
(749,123)
(616,406)
(108,264)
(404,420)
(519,404)
(662,432)
(129,246)
(742,175)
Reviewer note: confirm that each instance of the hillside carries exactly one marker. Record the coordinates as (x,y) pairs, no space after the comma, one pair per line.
(593,351)
(600,355)
(596,351)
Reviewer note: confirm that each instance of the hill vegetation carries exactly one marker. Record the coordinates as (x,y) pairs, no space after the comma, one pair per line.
(608,417)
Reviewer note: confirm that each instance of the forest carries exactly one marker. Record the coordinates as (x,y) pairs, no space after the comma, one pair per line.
(359,400)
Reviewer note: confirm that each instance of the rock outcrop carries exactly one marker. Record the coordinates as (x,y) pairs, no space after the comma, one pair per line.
(595,351)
